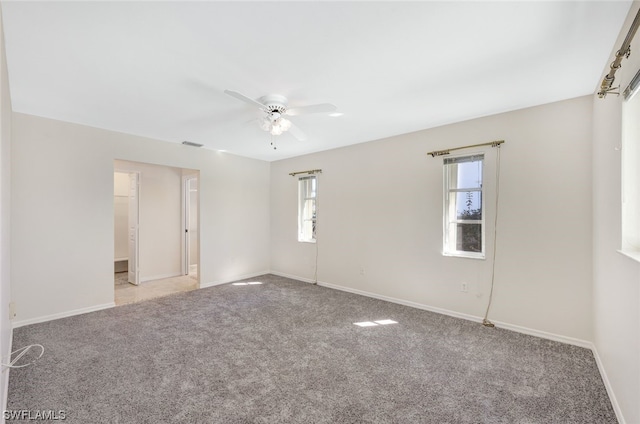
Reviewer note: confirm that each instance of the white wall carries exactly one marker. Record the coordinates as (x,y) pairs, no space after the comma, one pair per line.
(160,217)
(5,220)
(616,287)
(62,213)
(380,208)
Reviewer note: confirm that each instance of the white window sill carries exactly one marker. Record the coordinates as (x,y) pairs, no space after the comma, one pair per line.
(464,255)
(307,241)
(633,254)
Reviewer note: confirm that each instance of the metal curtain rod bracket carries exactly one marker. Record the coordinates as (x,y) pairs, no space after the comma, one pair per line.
(310,171)
(435,153)
(622,53)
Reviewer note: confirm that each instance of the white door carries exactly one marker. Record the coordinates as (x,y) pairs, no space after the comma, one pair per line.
(190,218)
(134,251)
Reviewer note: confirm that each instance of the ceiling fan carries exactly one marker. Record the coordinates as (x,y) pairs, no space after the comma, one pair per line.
(274,108)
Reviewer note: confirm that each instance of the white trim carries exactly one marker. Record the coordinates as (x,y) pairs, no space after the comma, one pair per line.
(22,323)
(464,255)
(293,277)
(504,325)
(607,385)
(544,335)
(403,302)
(633,254)
(232,279)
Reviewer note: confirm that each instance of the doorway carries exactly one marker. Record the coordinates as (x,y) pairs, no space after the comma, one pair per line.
(190,217)
(126,192)
(156,231)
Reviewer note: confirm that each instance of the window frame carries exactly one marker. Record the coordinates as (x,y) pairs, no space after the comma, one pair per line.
(302,200)
(630,163)
(450,235)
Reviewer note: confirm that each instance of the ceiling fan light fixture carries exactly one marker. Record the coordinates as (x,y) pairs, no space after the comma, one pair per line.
(285,124)
(273,107)
(265,125)
(276,130)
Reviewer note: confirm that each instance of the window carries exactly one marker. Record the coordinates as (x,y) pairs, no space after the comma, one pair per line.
(307,195)
(463,206)
(631,170)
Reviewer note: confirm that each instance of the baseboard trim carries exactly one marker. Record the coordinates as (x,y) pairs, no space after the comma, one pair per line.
(455,314)
(544,335)
(293,277)
(22,323)
(416,305)
(607,385)
(232,279)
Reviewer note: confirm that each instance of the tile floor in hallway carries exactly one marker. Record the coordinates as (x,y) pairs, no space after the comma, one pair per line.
(126,293)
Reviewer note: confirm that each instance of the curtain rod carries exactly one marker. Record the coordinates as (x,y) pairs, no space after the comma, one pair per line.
(310,171)
(435,153)
(625,51)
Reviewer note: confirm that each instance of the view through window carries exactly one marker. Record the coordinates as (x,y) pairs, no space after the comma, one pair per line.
(463,206)
(307,194)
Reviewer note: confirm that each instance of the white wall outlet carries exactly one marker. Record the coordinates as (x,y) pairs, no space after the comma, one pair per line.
(464,287)
(12,310)
(361,270)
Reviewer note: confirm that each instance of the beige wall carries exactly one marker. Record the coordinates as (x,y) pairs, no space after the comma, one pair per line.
(62,213)
(616,286)
(380,210)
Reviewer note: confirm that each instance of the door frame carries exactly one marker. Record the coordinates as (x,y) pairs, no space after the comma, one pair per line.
(136,258)
(186,209)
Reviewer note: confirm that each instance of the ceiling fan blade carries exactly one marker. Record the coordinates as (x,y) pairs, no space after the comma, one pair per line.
(244,98)
(297,132)
(304,110)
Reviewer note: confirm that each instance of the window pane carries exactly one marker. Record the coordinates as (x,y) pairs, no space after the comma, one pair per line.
(463,220)
(307,191)
(309,209)
(308,187)
(469,174)
(468,204)
(469,237)
(308,230)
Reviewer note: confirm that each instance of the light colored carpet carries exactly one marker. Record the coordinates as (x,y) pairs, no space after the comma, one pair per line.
(288,352)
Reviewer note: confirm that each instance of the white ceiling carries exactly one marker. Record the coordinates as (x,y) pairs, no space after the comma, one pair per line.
(159,69)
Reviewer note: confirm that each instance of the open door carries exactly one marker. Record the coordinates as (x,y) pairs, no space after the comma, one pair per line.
(134,250)
(191,233)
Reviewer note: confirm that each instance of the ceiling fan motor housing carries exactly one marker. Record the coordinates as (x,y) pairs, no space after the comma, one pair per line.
(274,103)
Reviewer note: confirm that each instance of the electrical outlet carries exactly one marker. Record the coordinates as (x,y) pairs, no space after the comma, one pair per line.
(361,270)
(12,310)
(464,287)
